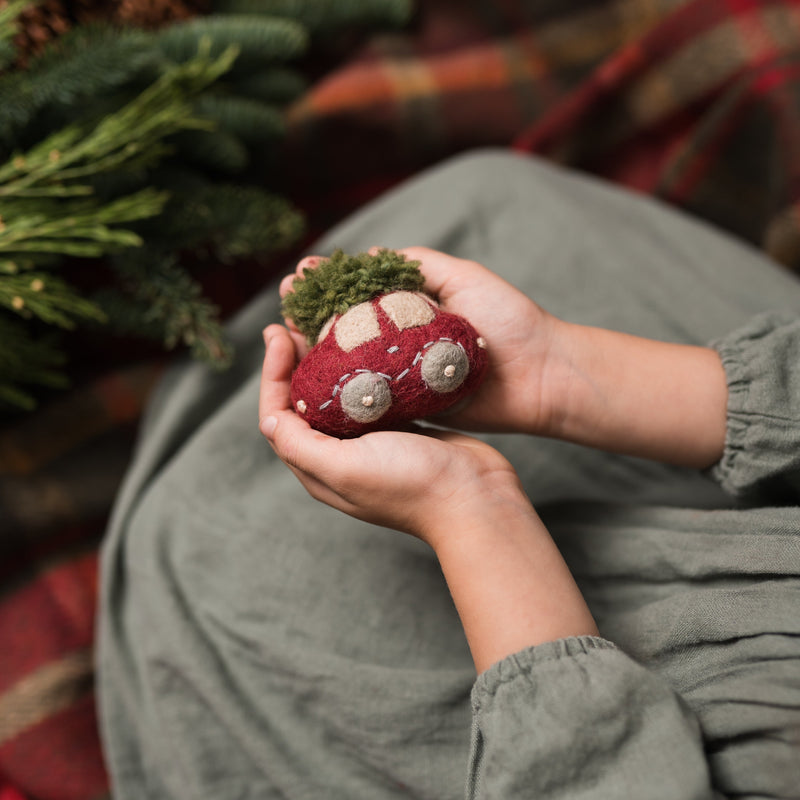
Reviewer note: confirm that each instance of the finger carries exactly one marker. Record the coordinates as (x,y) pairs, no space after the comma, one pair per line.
(287,284)
(276,373)
(440,270)
(300,342)
(321,491)
(308,262)
(300,446)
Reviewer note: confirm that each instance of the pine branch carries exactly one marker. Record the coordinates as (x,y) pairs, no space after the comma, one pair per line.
(278,85)
(216,151)
(325,15)
(250,120)
(134,133)
(84,64)
(47,297)
(24,360)
(221,221)
(49,209)
(77,229)
(166,303)
(260,40)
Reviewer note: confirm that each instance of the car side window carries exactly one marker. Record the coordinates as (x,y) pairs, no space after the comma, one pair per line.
(358,325)
(407,309)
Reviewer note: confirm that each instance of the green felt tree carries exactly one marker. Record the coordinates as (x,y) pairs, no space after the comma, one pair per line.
(144,154)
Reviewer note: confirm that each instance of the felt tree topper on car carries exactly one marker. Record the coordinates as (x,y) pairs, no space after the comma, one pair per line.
(383,351)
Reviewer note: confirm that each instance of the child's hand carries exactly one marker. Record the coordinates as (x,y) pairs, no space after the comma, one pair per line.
(514,396)
(507,578)
(428,484)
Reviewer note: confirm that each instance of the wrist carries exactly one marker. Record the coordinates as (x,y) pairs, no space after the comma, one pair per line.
(636,396)
(510,585)
(479,514)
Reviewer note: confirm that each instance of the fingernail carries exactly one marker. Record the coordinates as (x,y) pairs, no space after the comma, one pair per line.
(268,425)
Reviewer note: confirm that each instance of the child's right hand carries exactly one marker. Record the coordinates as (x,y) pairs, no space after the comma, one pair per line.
(513,397)
(521,339)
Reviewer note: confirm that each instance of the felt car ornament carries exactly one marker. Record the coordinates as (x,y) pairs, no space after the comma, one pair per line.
(383,351)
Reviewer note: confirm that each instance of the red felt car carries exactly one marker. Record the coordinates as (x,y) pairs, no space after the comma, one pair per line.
(391,359)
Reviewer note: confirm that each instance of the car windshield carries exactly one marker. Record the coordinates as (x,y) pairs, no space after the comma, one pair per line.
(407,309)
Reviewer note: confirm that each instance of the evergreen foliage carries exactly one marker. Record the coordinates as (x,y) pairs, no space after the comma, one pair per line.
(257,38)
(164,302)
(138,152)
(276,85)
(26,360)
(250,120)
(343,281)
(321,16)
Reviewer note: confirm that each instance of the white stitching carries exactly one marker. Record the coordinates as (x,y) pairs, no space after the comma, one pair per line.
(417,357)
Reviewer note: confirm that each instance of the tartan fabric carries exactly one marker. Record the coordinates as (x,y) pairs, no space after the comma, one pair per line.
(703,112)
(695,102)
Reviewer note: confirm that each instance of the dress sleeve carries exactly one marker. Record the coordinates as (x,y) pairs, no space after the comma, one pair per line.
(762,446)
(578,719)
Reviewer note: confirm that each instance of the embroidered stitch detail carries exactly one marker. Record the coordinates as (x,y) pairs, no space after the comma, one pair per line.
(337,388)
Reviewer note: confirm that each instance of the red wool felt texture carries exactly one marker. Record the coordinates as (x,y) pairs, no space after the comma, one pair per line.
(321,376)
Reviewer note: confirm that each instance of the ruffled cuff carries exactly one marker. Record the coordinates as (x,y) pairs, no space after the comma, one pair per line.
(762,364)
(579,718)
(520,666)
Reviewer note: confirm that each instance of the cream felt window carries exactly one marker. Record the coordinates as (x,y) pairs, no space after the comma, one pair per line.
(358,325)
(326,328)
(407,309)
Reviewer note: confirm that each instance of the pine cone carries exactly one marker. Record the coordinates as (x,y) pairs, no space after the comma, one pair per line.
(37,25)
(148,14)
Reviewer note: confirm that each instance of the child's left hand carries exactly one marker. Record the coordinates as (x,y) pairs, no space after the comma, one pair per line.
(426,483)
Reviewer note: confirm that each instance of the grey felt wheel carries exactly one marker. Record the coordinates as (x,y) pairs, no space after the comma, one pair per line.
(366,397)
(445,367)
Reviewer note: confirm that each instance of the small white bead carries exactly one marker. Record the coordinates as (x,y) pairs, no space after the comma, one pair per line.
(481,342)
(367,400)
(301,406)
(449,370)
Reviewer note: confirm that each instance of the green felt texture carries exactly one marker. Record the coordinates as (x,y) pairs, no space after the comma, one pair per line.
(344,281)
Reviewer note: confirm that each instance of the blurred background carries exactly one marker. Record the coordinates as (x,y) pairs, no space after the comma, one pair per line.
(161,161)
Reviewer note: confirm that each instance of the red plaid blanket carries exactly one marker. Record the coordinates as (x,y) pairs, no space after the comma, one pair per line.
(697,103)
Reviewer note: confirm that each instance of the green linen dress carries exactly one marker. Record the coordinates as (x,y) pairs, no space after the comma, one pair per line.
(256,644)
